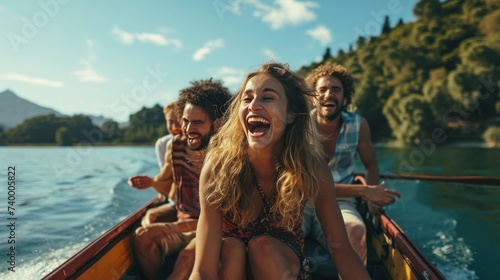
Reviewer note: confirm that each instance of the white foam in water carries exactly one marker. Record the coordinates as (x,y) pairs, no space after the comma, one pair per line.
(455,252)
(41,265)
(457,273)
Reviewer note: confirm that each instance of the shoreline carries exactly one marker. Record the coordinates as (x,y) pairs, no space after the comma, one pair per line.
(464,144)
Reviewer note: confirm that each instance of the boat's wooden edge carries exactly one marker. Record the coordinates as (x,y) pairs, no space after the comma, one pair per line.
(421,266)
(76,264)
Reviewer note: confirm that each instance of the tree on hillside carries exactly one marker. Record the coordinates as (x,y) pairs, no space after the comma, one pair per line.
(410,118)
(425,9)
(39,129)
(489,28)
(3,136)
(360,42)
(81,129)
(341,57)
(145,126)
(111,131)
(386,27)
(400,22)
(326,56)
(63,136)
(366,102)
(42,129)
(492,136)
(476,90)
(436,94)
(476,53)
(474,11)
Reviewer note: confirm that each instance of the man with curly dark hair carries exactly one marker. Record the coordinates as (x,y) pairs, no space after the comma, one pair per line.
(346,135)
(202,105)
(341,74)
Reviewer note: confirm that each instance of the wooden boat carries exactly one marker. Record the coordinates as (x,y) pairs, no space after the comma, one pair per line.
(391,253)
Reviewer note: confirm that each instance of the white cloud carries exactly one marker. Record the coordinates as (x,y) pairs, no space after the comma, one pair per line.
(270,54)
(88,73)
(230,76)
(320,34)
(287,12)
(31,80)
(209,47)
(154,38)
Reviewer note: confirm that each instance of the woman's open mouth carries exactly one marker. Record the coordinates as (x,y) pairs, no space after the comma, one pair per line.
(258,126)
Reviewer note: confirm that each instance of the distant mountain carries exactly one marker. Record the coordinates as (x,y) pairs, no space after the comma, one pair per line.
(14,110)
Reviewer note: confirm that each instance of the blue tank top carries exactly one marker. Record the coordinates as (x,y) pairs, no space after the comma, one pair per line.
(343,162)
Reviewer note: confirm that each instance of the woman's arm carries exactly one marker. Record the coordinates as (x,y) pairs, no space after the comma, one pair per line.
(346,260)
(208,236)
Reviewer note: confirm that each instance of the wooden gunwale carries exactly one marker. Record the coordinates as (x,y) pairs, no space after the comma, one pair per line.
(477,180)
(423,268)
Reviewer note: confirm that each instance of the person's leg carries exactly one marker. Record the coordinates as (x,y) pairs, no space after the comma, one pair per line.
(152,243)
(165,213)
(185,260)
(233,259)
(356,229)
(270,258)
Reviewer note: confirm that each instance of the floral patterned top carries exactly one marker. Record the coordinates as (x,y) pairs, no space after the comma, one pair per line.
(266,224)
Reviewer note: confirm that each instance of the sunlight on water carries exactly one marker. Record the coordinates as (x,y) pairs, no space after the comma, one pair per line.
(455,253)
(40,265)
(456,273)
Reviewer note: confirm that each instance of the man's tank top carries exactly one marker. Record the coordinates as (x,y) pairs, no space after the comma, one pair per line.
(343,162)
(187,180)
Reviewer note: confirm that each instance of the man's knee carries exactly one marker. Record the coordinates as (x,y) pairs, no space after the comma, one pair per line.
(142,236)
(143,240)
(356,229)
(149,240)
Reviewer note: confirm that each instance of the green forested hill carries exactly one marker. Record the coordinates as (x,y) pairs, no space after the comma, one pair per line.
(440,73)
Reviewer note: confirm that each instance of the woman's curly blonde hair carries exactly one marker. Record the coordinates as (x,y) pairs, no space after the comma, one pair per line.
(231,181)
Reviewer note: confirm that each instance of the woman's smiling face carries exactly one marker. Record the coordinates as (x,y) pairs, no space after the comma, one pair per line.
(263,112)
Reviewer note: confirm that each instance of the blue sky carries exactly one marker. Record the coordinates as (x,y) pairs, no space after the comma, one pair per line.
(111,58)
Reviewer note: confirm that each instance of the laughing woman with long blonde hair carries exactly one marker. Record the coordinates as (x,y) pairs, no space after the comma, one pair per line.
(265,162)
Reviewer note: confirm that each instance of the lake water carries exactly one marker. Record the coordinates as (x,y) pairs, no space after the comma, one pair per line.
(66,197)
